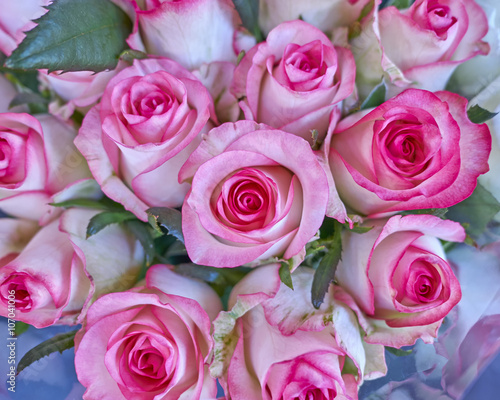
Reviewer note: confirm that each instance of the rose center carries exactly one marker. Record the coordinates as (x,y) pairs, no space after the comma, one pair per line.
(440,18)
(246,200)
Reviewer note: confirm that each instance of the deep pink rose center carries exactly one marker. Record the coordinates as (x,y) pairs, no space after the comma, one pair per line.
(247,200)
(407,144)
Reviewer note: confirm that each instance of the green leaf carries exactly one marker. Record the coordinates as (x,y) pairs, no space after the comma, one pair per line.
(249,14)
(102,220)
(240,57)
(476,211)
(81,203)
(325,273)
(75,35)
(398,352)
(130,55)
(285,275)
(360,229)
(60,342)
(399,4)
(376,97)
(438,212)
(21,327)
(142,232)
(167,221)
(478,115)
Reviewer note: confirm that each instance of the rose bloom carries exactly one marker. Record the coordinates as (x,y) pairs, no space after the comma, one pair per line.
(15,19)
(421,46)
(151,342)
(191,32)
(272,343)
(256,193)
(145,127)
(51,274)
(417,150)
(37,160)
(399,277)
(294,80)
(323,14)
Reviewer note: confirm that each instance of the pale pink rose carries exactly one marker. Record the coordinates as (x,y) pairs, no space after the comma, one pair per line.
(50,276)
(78,90)
(399,277)
(37,160)
(15,19)
(323,14)
(294,80)
(418,150)
(272,343)
(191,32)
(252,196)
(150,342)
(147,124)
(421,46)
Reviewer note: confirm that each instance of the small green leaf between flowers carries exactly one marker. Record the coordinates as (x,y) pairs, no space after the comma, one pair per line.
(325,273)
(361,229)
(479,115)
(240,56)
(285,275)
(399,4)
(438,212)
(75,35)
(376,97)
(81,203)
(102,220)
(167,221)
(21,327)
(142,232)
(130,55)
(399,352)
(60,342)
(249,14)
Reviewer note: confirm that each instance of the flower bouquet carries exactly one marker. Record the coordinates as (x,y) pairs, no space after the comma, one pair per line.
(206,199)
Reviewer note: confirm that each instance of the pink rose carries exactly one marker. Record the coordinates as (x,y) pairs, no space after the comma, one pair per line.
(272,343)
(421,46)
(399,277)
(50,276)
(191,32)
(145,127)
(323,14)
(418,150)
(294,80)
(256,193)
(15,19)
(150,342)
(37,160)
